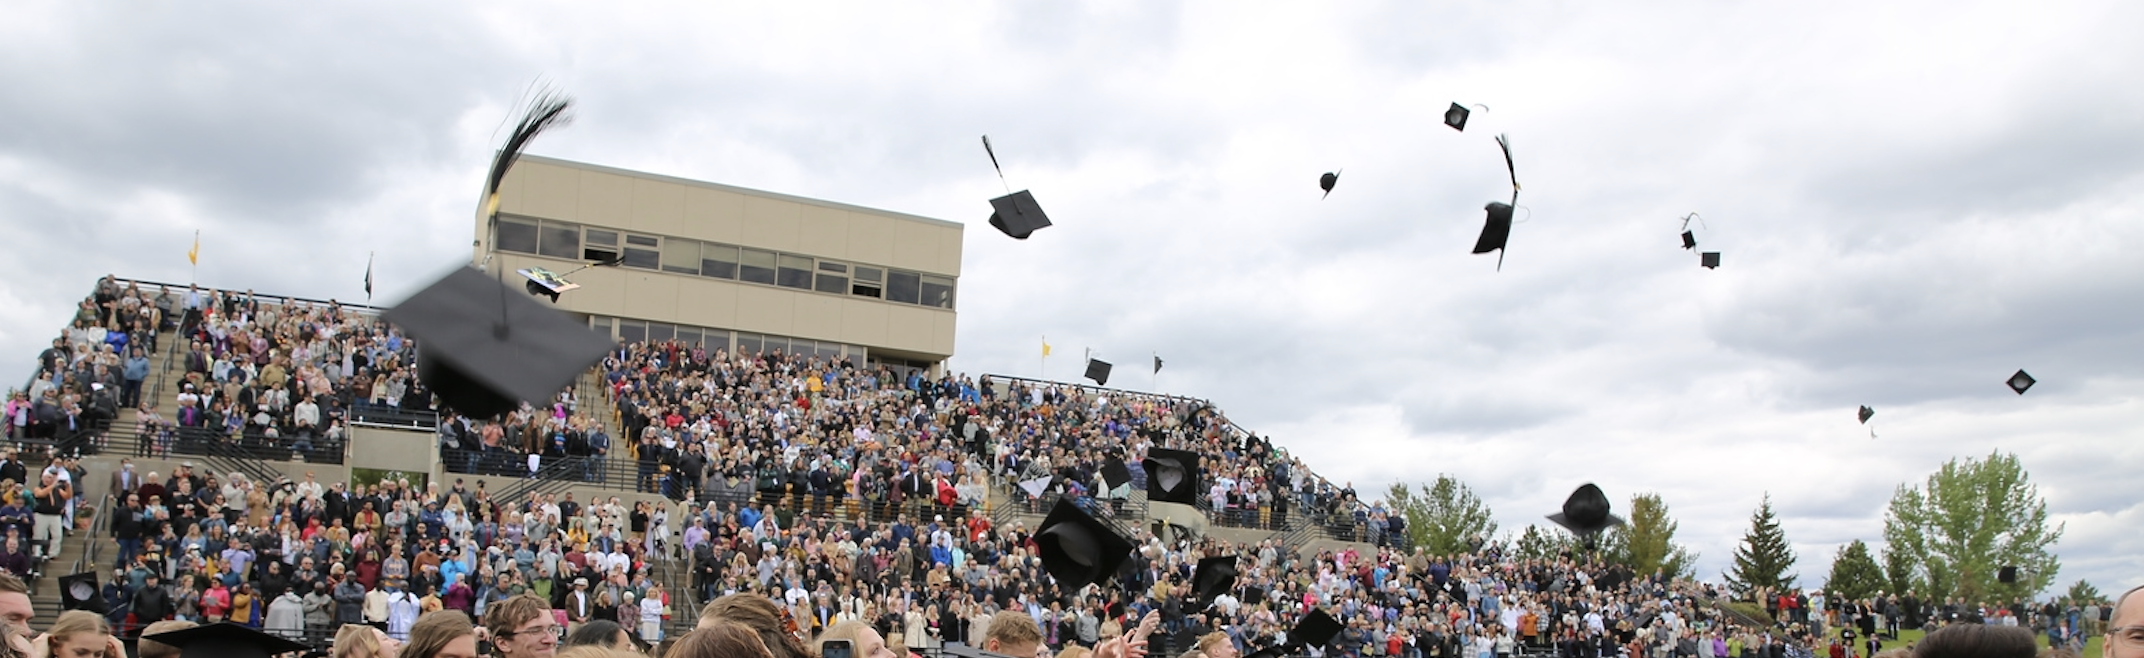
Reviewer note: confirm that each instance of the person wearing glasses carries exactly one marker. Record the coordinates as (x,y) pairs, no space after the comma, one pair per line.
(2125,631)
(522,627)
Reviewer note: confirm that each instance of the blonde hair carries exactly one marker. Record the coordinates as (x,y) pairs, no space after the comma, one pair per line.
(77,622)
(434,630)
(357,641)
(720,638)
(758,614)
(1075,651)
(843,630)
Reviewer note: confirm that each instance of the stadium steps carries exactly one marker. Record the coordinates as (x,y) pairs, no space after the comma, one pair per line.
(45,591)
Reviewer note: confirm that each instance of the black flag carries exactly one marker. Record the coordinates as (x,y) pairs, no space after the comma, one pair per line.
(368,278)
(1157,364)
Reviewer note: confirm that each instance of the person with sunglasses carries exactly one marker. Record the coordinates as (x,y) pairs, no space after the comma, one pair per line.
(523,627)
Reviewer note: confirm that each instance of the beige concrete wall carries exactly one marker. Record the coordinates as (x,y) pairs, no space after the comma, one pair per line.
(397,450)
(637,201)
(591,195)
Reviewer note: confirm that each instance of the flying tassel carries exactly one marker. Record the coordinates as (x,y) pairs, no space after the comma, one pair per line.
(549,109)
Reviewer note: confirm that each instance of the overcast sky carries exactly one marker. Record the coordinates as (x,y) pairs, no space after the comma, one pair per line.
(1914,200)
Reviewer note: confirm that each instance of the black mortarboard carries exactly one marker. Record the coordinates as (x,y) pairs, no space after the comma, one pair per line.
(1866,414)
(1586,512)
(483,349)
(545,282)
(2006,575)
(1456,117)
(1076,549)
(1213,577)
(79,592)
(1098,370)
(2021,381)
(1326,182)
(1268,652)
(1689,240)
(1018,215)
(1115,473)
(1709,259)
(1496,231)
(1172,476)
(1253,595)
(225,640)
(1314,630)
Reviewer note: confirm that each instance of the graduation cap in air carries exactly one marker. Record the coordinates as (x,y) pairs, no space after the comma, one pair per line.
(1710,260)
(1115,473)
(2006,575)
(545,283)
(1098,370)
(1172,476)
(1456,117)
(1315,629)
(1586,512)
(1866,414)
(79,592)
(2021,381)
(1213,577)
(548,109)
(1689,239)
(1016,214)
(225,640)
(1327,181)
(1496,231)
(1078,550)
(483,349)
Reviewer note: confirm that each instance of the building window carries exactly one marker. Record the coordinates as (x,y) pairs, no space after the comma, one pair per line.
(603,326)
(517,237)
(599,245)
(560,241)
(632,331)
(660,332)
(795,272)
(833,278)
(757,267)
(748,344)
(681,256)
(904,287)
(643,252)
(938,291)
(718,261)
(870,282)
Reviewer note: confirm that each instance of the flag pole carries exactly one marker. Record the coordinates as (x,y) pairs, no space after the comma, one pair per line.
(1043,362)
(193,258)
(1153,380)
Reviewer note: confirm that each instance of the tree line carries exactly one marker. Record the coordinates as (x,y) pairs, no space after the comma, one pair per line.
(1951,535)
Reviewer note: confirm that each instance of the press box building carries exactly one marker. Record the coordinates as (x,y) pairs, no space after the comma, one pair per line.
(728,267)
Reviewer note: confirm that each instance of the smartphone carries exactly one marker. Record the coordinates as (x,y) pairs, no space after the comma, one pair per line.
(836,649)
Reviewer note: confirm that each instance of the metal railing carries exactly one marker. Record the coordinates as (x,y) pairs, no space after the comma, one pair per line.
(373,415)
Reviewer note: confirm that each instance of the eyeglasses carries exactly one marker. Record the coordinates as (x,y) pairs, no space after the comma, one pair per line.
(554,630)
(2129,636)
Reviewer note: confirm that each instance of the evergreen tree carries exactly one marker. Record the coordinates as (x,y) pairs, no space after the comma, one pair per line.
(1444,516)
(1539,544)
(1764,556)
(1647,542)
(1854,574)
(2083,592)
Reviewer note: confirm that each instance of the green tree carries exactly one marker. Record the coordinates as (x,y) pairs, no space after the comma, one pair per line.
(1854,574)
(1537,543)
(1764,556)
(2082,591)
(1647,542)
(1443,516)
(1949,536)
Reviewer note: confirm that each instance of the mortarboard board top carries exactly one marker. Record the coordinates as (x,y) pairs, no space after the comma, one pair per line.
(1018,215)
(1327,181)
(1078,550)
(225,640)
(1172,476)
(1213,577)
(1098,370)
(1315,629)
(2021,381)
(1866,413)
(483,349)
(1456,117)
(1710,260)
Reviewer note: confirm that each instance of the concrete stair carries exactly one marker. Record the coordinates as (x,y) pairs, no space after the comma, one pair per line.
(45,593)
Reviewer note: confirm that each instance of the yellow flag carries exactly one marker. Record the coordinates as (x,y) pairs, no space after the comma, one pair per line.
(1045,349)
(193,256)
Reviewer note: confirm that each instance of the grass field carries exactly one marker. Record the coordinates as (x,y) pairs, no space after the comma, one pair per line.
(2091,648)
